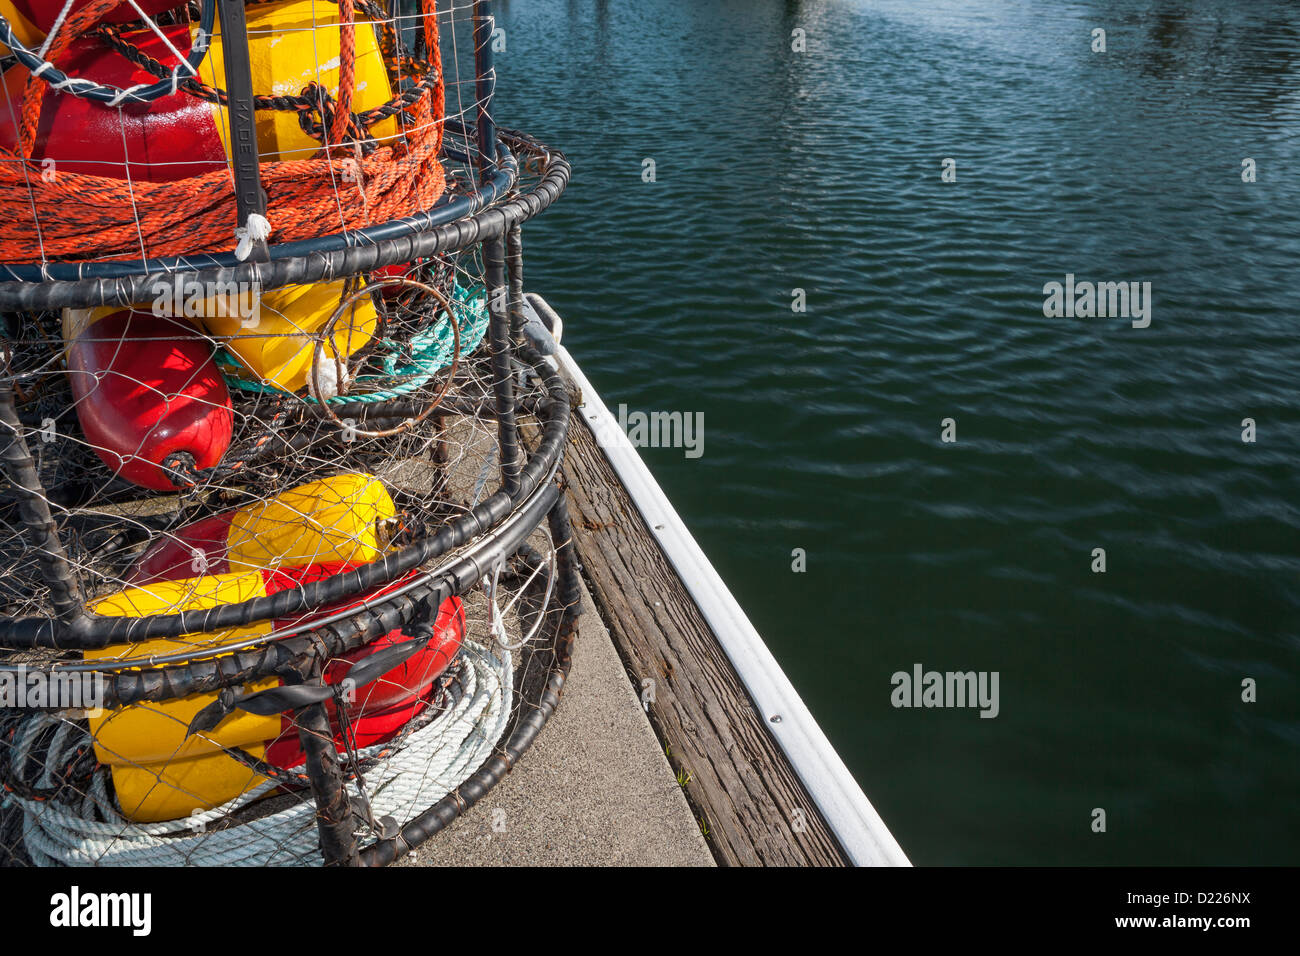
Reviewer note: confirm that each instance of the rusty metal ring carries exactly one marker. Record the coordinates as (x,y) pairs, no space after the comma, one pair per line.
(327,335)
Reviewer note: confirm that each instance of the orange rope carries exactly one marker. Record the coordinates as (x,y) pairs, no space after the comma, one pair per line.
(84,217)
(347,54)
(76,23)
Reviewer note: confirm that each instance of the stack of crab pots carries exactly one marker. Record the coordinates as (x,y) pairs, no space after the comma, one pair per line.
(239,340)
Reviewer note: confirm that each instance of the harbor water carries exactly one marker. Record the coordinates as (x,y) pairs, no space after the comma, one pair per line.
(730,153)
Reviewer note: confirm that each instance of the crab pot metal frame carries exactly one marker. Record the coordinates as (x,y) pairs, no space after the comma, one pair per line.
(487,217)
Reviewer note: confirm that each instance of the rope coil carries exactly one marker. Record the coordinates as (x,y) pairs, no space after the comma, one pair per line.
(419,769)
(78,216)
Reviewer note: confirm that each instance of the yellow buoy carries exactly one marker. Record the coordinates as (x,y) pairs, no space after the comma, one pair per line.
(273,335)
(342,518)
(291,45)
(276,343)
(160,772)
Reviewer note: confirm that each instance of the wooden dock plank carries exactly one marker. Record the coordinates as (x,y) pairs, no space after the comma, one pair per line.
(741,785)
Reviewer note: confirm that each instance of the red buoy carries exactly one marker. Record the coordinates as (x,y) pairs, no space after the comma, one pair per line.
(378,710)
(198,548)
(146,388)
(38,16)
(170,138)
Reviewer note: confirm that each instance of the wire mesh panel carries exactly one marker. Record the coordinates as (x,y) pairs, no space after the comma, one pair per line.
(285,574)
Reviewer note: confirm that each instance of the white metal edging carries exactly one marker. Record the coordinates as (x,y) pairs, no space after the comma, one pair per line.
(854,821)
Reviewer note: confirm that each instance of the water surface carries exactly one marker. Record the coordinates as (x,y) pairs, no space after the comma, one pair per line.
(821,170)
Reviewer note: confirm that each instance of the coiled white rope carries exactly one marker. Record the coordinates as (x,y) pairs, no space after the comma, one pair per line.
(421,769)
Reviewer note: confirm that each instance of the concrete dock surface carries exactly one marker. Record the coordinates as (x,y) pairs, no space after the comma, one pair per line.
(594,790)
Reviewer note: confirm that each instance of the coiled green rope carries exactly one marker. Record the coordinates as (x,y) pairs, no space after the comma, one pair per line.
(407,366)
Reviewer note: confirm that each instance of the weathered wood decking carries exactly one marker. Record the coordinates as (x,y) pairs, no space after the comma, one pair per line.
(740,783)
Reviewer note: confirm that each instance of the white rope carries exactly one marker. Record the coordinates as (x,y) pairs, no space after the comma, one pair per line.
(496,615)
(423,768)
(255,229)
(58,23)
(183,62)
(76,82)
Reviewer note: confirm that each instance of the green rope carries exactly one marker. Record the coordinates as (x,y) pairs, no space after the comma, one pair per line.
(414,365)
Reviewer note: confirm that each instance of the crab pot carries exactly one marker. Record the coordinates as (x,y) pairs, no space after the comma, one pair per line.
(244,662)
(288,573)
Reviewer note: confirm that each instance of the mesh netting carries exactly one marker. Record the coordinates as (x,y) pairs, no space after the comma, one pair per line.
(285,571)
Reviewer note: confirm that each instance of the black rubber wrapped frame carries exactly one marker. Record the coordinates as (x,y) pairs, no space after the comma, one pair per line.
(92,631)
(525,727)
(456,223)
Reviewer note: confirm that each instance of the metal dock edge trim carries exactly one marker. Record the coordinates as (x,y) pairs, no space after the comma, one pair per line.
(847,811)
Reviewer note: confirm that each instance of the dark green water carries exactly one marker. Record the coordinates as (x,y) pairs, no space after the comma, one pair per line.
(821,170)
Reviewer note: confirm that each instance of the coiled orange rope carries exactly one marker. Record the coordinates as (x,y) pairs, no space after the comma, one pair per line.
(75,216)
(347,54)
